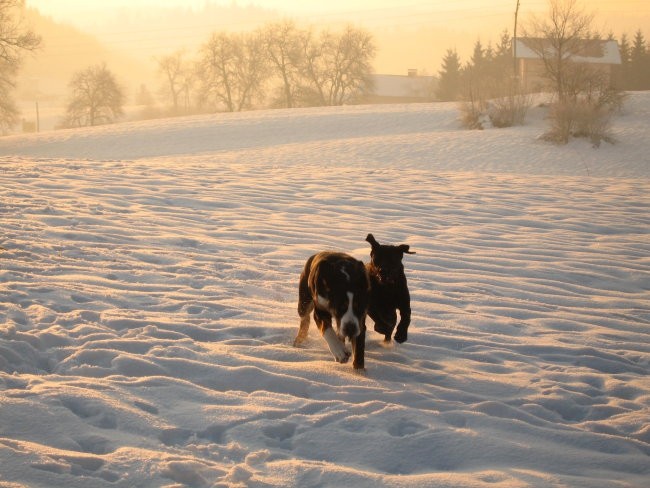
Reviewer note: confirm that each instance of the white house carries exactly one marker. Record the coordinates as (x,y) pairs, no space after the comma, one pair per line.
(401,88)
(603,56)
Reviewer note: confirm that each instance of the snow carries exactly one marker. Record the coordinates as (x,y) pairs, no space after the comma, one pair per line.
(148,292)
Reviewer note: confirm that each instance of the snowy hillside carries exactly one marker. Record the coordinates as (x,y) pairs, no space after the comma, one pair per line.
(148,287)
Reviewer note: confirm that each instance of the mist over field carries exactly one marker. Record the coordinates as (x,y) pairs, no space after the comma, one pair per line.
(131,36)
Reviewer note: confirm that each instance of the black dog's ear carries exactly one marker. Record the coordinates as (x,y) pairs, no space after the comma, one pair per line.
(371,239)
(405,249)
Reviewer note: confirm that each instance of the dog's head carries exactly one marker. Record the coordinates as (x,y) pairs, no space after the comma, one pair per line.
(386,261)
(342,288)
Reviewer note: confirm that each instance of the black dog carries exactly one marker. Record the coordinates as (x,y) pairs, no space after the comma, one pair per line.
(335,285)
(388,290)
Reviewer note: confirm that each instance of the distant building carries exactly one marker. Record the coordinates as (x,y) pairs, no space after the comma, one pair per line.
(602,55)
(411,88)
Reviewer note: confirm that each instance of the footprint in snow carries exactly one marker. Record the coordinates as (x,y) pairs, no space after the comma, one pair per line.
(403,428)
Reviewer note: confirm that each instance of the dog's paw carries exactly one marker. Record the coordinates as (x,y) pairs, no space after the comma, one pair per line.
(359,368)
(401,336)
(345,358)
(383,328)
(337,348)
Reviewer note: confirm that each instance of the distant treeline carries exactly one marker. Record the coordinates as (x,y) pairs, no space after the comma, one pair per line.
(490,68)
(278,65)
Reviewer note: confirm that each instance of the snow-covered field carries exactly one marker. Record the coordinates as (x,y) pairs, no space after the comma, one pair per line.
(148,287)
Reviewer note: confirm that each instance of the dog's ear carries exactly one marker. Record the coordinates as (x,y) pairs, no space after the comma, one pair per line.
(405,249)
(371,239)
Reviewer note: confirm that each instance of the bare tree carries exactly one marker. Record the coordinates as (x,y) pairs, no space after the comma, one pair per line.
(97,98)
(215,71)
(253,69)
(586,98)
(353,57)
(313,68)
(232,70)
(336,66)
(15,39)
(178,80)
(282,42)
(557,39)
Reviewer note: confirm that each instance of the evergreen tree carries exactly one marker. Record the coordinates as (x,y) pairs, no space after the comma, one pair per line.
(449,77)
(503,53)
(639,63)
(478,60)
(625,51)
(488,73)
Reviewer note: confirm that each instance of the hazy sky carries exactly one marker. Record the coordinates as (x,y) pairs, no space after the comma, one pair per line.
(409,33)
(82,9)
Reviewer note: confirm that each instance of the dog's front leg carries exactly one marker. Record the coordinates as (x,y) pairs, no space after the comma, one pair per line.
(337,348)
(359,347)
(404,321)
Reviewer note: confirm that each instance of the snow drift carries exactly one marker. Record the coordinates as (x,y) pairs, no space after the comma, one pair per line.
(148,284)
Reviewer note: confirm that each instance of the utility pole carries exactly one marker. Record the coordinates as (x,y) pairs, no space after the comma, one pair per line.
(514,43)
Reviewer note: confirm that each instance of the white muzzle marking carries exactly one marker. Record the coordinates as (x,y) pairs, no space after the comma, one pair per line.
(349,318)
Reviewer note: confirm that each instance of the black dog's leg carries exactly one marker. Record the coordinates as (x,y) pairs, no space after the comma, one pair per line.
(359,347)
(385,321)
(404,307)
(402,328)
(404,317)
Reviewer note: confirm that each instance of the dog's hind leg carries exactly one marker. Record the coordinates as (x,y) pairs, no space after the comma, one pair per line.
(303,330)
(305,308)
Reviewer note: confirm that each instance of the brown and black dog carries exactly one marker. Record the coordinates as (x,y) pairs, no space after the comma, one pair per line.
(334,284)
(388,290)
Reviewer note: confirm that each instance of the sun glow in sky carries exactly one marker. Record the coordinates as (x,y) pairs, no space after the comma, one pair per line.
(408,33)
(71,9)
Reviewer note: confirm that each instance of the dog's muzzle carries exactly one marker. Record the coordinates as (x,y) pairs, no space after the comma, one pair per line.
(387,278)
(348,324)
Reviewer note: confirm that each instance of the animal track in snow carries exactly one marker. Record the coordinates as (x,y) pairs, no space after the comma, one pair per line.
(404,427)
(91,412)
